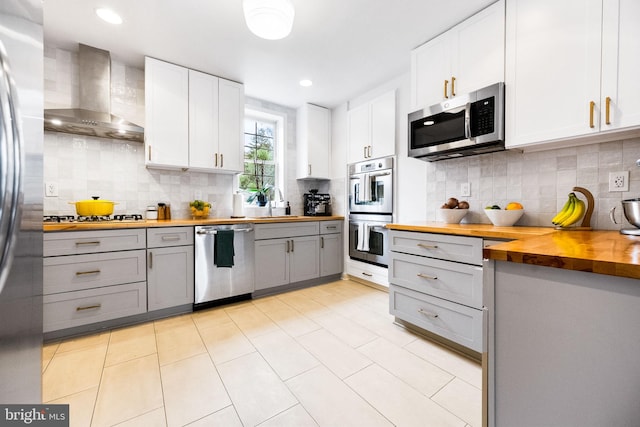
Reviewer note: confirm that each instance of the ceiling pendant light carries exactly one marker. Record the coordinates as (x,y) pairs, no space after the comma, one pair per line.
(269,19)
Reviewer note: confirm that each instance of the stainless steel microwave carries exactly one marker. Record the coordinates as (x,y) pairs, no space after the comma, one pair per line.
(461,126)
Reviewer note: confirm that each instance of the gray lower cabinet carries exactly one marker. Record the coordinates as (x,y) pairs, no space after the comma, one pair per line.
(93,276)
(170,268)
(294,252)
(436,283)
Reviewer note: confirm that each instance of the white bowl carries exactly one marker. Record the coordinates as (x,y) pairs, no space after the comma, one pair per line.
(452,216)
(504,218)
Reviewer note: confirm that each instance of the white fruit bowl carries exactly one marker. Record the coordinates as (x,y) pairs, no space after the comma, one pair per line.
(504,218)
(451,216)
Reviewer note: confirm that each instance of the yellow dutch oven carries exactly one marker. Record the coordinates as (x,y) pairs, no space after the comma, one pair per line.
(94,207)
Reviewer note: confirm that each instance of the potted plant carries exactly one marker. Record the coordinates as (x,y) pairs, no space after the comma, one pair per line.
(260,194)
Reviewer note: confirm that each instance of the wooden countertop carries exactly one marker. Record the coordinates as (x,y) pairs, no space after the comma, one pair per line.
(603,252)
(75,226)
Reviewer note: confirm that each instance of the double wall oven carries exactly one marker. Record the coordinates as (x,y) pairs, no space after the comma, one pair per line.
(370,209)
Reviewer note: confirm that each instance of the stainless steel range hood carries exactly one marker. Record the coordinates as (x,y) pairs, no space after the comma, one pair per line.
(94,117)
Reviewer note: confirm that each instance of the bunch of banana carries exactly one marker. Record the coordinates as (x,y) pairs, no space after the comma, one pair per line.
(570,213)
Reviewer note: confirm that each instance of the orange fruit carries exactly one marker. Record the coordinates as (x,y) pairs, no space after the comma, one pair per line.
(514,206)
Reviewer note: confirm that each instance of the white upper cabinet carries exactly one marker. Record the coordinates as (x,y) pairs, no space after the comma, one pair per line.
(313,142)
(167,115)
(208,134)
(467,57)
(571,70)
(372,128)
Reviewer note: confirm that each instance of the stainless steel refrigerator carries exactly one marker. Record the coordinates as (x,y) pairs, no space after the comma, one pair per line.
(21,188)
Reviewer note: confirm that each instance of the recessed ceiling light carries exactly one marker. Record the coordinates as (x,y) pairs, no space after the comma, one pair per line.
(109,16)
(306,83)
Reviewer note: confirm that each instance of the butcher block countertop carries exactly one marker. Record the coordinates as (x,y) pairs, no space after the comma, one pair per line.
(603,252)
(107,225)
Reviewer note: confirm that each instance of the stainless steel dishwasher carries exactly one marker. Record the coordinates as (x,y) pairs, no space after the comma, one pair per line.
(213,283)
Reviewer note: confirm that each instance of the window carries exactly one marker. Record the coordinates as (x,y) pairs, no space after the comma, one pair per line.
(263,151)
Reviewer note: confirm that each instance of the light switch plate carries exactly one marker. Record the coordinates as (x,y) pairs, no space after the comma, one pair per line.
(465,189)
(51,189)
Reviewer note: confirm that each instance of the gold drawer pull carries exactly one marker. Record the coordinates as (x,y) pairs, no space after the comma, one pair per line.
(428,313)
(424,246)
(88,307)
(82,273)
(592,105)
(170,238)
(87,243)
(446,84)
(453,86)
(608,110)
(425,276)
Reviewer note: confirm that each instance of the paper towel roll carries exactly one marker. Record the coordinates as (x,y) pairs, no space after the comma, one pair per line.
(238,206)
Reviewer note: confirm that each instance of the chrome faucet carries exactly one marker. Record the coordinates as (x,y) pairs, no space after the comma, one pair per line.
(270,197)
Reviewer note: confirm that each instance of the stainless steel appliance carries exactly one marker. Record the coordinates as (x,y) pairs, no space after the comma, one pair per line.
(214,283)
(370,209)
(462,126)
(631,210)
(317,204)
(21,188)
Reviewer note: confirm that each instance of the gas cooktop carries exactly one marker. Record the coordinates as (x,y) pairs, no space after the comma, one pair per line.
(104,218)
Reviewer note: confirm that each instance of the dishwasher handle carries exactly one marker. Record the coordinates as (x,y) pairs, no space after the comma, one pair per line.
(213,231)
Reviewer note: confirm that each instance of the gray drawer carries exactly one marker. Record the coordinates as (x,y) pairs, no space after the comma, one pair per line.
(455,322)
(456,282)
(169,236)
(78,272)
(331,227)
(85,242)
(439,246)
(286,229)
(78,308)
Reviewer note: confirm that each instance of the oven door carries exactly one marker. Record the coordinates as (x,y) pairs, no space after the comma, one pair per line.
(371,192)
(368,240)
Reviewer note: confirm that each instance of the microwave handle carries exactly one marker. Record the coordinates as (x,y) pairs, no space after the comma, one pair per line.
(467,120)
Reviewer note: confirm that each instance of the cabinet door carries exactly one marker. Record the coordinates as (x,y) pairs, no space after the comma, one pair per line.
(553,53)
(203,120)
(167,115)
(304,258)
(383,125)
(478,50)
(620,64)
(330,254)
(271,263)
(359,133)
(313,142)
(231,116)
(170,277)
(430,67)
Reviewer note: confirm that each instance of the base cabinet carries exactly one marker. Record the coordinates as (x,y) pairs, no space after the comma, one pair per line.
(170,267)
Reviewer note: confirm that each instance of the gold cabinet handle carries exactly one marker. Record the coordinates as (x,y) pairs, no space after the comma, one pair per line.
(365,151)
(88,243)
(607,113)
(309,169)
(592,106)
(422,245)
(426,276)
(453,86)
(428,313)
(149,153)
(83,273)
(216,165)
(150,260)
(221,160)
(446,84)
(88,307)
(321,242)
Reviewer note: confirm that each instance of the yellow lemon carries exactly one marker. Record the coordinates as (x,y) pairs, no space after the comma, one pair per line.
(514,206)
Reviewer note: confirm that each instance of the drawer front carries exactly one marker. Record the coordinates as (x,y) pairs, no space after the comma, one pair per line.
(330,227)
(169,236)
(286,229)
(86,242)
(79,272)
(456,282)
(78,308)
(455,322)
(439,246)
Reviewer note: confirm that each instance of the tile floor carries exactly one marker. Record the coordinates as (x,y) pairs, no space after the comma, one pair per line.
(323,356)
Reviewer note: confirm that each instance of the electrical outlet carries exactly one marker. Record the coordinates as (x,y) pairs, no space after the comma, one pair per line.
(51,189)
(619,181)
(465,189)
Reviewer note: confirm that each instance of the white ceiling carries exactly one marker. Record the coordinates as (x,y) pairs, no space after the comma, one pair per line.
(346,47)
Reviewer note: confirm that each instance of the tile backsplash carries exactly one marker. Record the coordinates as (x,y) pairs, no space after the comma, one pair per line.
(540,180)
(114,170)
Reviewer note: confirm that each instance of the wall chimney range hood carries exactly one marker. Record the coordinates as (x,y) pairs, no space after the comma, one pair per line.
(94,117)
